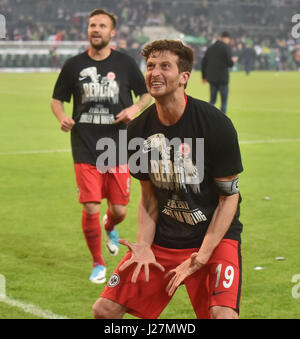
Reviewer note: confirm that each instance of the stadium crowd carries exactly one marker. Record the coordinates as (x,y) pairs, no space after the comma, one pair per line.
(264,25)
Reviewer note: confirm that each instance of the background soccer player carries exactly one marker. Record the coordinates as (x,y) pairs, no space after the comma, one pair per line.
(101,81)
(188,222)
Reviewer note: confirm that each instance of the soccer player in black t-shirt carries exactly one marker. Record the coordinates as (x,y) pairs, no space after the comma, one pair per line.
(185,153)
(101,81)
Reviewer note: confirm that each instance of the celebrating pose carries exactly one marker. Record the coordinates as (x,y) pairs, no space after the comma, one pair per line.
(188,219)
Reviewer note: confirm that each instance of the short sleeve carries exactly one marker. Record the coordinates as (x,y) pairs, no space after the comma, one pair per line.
(63,88)
(225,150)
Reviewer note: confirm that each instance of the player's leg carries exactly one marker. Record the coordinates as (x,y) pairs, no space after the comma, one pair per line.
(108,309)
(91,207)
(226,280)
(120,295)
(198,290)
(92,233)
(215,290)
(115,214)
(221,312)
(117,188)
(92,230)
(89,187)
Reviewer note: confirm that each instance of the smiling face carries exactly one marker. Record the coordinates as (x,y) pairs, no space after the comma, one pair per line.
(100,31)
(162,74)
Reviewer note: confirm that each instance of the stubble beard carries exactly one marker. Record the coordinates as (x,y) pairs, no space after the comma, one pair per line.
(99,46)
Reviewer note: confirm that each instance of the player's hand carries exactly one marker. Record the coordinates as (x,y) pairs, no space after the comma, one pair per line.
(181,272)
(142,256)
(66,123)
(204,81)
(127,114)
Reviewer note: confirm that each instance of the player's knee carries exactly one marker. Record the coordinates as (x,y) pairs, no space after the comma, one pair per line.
(101,311)
(119,211)
(91,207)
(106,309)
(220,312)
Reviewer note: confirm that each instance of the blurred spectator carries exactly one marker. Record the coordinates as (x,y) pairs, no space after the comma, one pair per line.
(248,57)
(54,61)
(266,23)
(296,57)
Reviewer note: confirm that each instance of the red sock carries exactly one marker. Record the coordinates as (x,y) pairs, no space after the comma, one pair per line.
(112,221)
(92,232)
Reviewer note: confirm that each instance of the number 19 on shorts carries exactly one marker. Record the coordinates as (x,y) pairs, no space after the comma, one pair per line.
(228,276)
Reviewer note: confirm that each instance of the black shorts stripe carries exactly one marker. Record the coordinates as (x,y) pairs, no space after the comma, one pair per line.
(238,300)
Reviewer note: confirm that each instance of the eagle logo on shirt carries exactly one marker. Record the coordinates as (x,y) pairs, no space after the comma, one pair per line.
(90,72)
(97,88)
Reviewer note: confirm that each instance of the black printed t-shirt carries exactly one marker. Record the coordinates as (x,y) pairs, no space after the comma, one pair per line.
(100,90)
(182,161)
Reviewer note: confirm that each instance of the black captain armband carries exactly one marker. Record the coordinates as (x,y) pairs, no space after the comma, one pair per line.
(227,188)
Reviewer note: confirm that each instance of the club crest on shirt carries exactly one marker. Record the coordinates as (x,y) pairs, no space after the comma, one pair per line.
(171,163)
(185,149)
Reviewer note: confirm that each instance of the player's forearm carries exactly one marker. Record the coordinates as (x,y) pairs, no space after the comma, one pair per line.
(58,109)
(147,217)
(143,101)
(66,123)
(219,225)
(129,113)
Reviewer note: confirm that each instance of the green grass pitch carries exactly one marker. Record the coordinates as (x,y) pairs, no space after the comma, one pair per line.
(43,255)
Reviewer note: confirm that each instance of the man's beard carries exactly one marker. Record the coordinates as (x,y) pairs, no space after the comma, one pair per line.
(99,46)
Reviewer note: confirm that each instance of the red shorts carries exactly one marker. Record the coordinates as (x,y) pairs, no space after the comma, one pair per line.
(94,186)
(218,283)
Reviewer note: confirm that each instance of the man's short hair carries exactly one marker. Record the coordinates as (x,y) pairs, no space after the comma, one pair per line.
(112,16)
(185,54)
(225,35)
